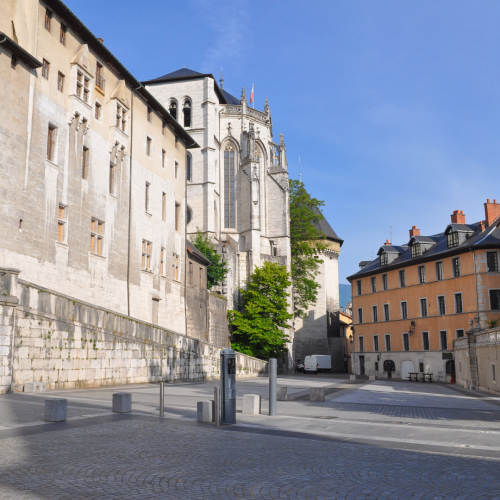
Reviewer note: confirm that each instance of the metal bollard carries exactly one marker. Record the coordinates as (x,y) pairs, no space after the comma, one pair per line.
(273,381)
(217,405)
(162,397)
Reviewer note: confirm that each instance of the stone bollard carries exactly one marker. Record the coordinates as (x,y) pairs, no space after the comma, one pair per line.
(56,410)
(353,377)
(282,394)
(317,393)
(122,402)
(204,411)
(251,404)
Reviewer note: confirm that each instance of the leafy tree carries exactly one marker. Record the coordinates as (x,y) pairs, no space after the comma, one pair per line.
(306,241)
(258,328)
(493,323)
(217,271)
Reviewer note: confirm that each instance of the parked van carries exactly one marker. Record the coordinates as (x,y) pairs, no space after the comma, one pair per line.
(317,362)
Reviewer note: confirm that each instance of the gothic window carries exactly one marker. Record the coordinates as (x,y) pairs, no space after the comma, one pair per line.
(173,109)
(189,172)
(229,187)
(186,111)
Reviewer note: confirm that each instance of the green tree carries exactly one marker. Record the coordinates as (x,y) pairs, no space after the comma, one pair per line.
(306,241)
(493,323)
(258,328)
(217,271)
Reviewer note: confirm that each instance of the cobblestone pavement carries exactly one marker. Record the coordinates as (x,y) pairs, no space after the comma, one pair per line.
(352,446)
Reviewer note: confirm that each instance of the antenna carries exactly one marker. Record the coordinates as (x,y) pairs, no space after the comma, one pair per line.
(300,172)
(391,235)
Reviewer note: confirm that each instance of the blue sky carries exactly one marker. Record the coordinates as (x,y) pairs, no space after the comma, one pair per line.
(393,106)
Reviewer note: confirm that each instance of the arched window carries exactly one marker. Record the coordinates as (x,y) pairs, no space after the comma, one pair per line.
(189,162)
(172,109)
(186,111)
(229,187)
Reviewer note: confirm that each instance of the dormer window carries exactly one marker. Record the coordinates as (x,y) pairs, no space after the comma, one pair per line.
(384,259)
(452,239)
(415,250)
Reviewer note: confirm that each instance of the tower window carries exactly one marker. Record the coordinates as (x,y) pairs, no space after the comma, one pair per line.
(186,111)
(229,216)
(172,109)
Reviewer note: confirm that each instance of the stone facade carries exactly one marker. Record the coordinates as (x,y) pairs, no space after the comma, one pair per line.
(54,339)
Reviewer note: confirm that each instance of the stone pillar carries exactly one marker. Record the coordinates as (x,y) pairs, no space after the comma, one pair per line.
(8,286)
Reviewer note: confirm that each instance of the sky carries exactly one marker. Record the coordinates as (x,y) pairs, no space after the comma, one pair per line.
(392,106)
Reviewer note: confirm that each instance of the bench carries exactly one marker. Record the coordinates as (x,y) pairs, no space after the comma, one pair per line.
(427,376)
(412,376)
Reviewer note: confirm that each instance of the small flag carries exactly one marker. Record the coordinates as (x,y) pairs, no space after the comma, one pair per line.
(251,95)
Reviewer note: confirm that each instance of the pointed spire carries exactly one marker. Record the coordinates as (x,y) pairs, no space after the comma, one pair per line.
(266,107)
(243,96)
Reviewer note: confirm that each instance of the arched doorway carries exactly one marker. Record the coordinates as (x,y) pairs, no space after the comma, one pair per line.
(389,367)
(407,367)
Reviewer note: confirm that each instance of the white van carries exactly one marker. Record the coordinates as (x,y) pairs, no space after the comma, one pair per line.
(317,362)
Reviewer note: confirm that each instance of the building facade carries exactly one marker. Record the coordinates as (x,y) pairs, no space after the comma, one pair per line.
(93,170)
(414,299)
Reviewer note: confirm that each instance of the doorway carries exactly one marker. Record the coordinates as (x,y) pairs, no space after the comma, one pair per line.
(389,367)
(407,367)
(361,365)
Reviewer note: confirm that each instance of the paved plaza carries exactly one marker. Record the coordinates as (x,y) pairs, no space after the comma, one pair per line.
(382,439)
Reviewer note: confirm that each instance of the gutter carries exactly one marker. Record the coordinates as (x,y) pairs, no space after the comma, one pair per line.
(18,51)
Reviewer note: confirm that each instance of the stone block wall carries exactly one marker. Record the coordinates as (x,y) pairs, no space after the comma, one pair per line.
(67,343)
(218,329)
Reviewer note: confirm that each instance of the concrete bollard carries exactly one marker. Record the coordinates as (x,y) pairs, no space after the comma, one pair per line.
(353,377)
(317,393)
(251,404)
(33,387)
(56,410)
(282,394)
(122,402)
(204,411)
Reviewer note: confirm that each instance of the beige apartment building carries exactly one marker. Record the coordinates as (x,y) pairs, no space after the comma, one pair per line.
(92,169)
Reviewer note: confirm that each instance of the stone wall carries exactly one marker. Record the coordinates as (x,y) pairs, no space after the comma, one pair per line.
(217,321)
(66,343)
(477,363)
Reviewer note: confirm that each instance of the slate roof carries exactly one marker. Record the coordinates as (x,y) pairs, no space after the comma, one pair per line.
(193,250)
(323,226)
(230,98)
(489,237)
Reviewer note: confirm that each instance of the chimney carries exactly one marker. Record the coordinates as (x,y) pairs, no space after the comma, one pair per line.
(491,211)
(101,40)
(458,217)
(387,242)
(414,232)
(481,226)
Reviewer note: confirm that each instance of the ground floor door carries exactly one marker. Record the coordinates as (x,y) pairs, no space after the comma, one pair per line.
(361,365)
(406,367)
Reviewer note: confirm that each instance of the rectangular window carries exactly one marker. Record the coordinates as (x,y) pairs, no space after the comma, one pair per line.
(387,342)
(61,224)
(361,344)
(177,216)
(384,259)
(148,146)
(48,19)
(45,69)
(384,282)
(415,250)
(176,170)
(162,262)
(458,303)
(360,315)
(97,111)
(51,142)
(374,284)
(375,343)
(421,274)
(495,300)
(402,278)
(421,367)
(404,310)
(459,333)
(82,87)
(423,308)
(60,81)
(376,366)
(375,313)
(358,287)
(146,255)
(452,239)
(492,261)
(175,267)
(164,207)
(96,236)
(456,267)
(190,273)
(441,305)
(62,34)
(443,337)
(121,118)
(493,374)
(163,158)
(439,271)
(112,179)
(99,76)
(150,115)
(85,162)
(406,342)
(425,342)
(147,197)
(386,312)
(200,272)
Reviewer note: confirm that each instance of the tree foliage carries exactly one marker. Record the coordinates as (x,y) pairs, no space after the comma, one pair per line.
(217,271)
(258,328)
(306,241)
(493,323)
